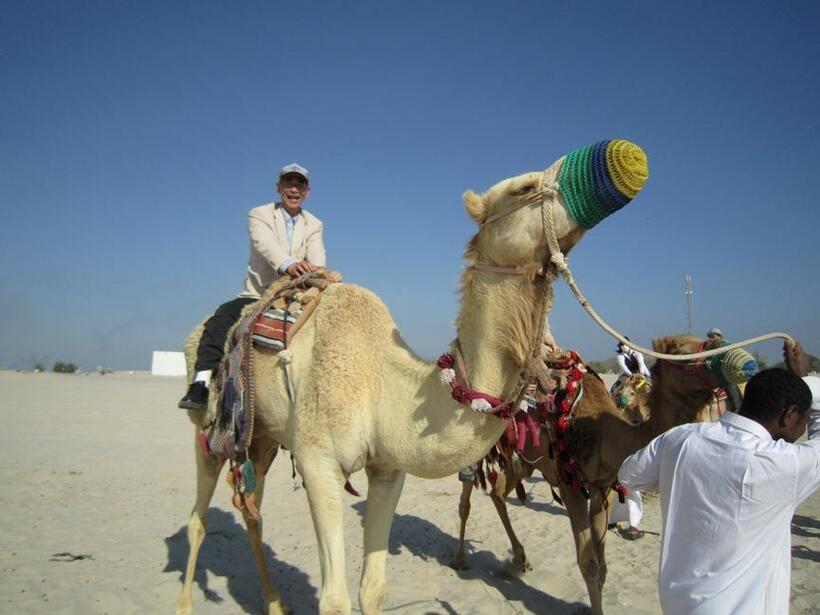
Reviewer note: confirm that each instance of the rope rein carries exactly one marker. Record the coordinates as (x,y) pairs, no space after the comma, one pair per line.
(557,258)
(548,192)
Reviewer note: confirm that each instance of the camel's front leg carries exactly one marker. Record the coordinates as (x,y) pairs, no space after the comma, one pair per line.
(324,480)
(207,472)
(261,462)
(586,553)
(464,514)
(600,505)
(384,489)
(519,556)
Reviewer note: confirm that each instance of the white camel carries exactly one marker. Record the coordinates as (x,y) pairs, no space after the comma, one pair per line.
(366,401)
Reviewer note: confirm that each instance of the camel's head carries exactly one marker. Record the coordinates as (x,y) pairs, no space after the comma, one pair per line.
(581,189)
(732,367)
(631,395)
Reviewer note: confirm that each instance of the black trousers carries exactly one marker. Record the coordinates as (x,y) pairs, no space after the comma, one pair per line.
(212,344)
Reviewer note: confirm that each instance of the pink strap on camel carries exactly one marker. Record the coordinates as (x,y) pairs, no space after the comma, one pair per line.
(505,270)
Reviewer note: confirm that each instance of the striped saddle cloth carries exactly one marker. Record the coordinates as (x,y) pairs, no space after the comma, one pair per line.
(273,327)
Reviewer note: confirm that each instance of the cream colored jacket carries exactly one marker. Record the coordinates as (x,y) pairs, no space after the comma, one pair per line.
(269,245)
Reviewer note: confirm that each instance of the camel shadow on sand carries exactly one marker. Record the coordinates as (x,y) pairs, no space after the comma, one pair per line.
(552,507)
(806,527)
(426,541)
(226,553)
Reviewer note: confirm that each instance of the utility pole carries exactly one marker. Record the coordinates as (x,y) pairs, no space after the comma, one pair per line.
(687,290)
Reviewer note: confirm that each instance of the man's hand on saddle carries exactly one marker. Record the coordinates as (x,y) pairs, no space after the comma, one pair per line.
(549,346)
(796,359)
(300,268)
(542,373)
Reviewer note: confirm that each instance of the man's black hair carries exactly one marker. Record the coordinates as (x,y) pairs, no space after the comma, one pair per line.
(618,347)
(771,391)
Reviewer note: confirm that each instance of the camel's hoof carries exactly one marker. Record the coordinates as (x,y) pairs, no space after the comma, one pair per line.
(521,563)
(184,609)
(514,569)
(459,564)
(278,608)
(274,603)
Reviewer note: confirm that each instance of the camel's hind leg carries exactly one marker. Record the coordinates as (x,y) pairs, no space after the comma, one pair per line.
(464,514)
(207,472)
(262,455)
(384,489)
(586,548)
(519,556)
(323,480)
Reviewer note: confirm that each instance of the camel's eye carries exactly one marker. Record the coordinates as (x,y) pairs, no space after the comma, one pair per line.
(524,190)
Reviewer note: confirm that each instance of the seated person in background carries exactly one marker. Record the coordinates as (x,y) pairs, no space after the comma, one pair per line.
(630,361)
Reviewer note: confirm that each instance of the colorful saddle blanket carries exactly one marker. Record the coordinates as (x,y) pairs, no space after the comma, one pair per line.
(272,327)
(272,323)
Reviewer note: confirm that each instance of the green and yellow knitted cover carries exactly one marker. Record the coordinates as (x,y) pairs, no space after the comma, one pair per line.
(734,366)
(599,179)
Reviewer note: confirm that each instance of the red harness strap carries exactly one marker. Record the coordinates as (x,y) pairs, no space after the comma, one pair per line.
(695,368)
(467,396)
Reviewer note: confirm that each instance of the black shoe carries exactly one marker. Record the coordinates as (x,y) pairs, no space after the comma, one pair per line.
(196,398)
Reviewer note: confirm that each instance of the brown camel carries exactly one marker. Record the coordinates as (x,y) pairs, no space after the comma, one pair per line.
(601,436)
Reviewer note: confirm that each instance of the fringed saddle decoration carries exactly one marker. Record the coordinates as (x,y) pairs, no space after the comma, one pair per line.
(274,321)
(493,467)
(556,414)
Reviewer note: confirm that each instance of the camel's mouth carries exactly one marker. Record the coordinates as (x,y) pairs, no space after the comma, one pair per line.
(634,414)
(732,367)
(599,179)
(630,394)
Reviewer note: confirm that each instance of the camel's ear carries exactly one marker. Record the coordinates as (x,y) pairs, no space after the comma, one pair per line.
(659,345)
(475,206)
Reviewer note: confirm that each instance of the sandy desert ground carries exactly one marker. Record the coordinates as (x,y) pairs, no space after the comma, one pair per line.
(97,484)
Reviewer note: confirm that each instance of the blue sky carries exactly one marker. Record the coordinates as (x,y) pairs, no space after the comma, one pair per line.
(135,136)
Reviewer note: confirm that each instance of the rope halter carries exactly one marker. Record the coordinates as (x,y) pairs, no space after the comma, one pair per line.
(594,181)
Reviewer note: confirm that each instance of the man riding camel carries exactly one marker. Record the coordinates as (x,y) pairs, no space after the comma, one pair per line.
(284,240)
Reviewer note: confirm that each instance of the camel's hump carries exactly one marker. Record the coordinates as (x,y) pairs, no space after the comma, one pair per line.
(357,303)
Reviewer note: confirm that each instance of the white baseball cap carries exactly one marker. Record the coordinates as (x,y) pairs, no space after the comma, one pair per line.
(294,168)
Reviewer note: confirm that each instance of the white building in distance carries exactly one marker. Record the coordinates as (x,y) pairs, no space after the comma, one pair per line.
(166,363)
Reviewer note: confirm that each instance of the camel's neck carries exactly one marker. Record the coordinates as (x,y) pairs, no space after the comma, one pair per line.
(669,407)
(673,405)
(497,327)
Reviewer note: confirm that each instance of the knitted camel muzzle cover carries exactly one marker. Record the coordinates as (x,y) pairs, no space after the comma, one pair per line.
(599,179)
(734,367)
